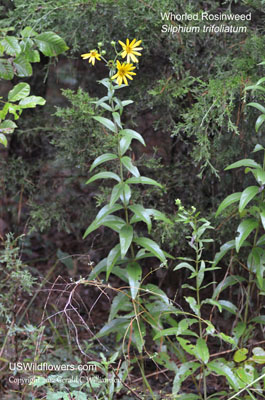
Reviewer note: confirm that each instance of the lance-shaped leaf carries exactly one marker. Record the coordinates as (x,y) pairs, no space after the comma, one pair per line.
(99,220)
(113,256)
(101,159)
(19,91)
(126,235)
(116,192)
(258,106)
(50,44)
(126,194)
(107,123)
(116,325)
(113,222)
(134,272)
(144,181)
(139,333)
(247,195)
(117,119)
(227,305)
(232,198)
(103,175)
(151,246)
(244,229)
(121,302)
(159,216)
(246,162)
(227,282)
(201,350)
(259,122)
(141,214)
(221,367)
(127,162)
(127,136)
(184,371)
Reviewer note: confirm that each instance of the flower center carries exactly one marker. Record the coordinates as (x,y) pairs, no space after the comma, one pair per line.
(128,49)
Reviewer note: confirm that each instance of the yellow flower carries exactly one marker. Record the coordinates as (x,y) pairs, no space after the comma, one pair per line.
(124,72)
(130,50)
(92,55)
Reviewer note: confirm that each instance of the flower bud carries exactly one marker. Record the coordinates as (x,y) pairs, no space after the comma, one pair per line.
(103,52)
(100,44)
(112,43)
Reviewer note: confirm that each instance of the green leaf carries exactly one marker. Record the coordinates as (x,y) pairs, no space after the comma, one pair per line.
(7,126)
(166,332)
(107,123)
(184,265)
(139,332)
(258,355)
(50,44)
(232,198)
(127,162)
(100,267)
(151,246)
(156,292)
(11,45)
(19,91)
(120,303)
(221,367)
(258,147)
(112,258)
(99,220)
(144,181)
(101,159)
(113,222)
(126,195)
(28,32)
(259,122)
(247,162)
(126,236)
(134,272)
(32,101)
(223,250)
(184,371)
(193,304)
(3,139)
(201,350)
(116,325)
(142,214)
(22,66)
(227,282)
(6,69)
(258,106)
(127,136)
(117,119)
(116,192)
(103,175)
(246,196)
(260,176)
(244,229)
(159,216)
(65,259)
(240,355)
(227,305)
